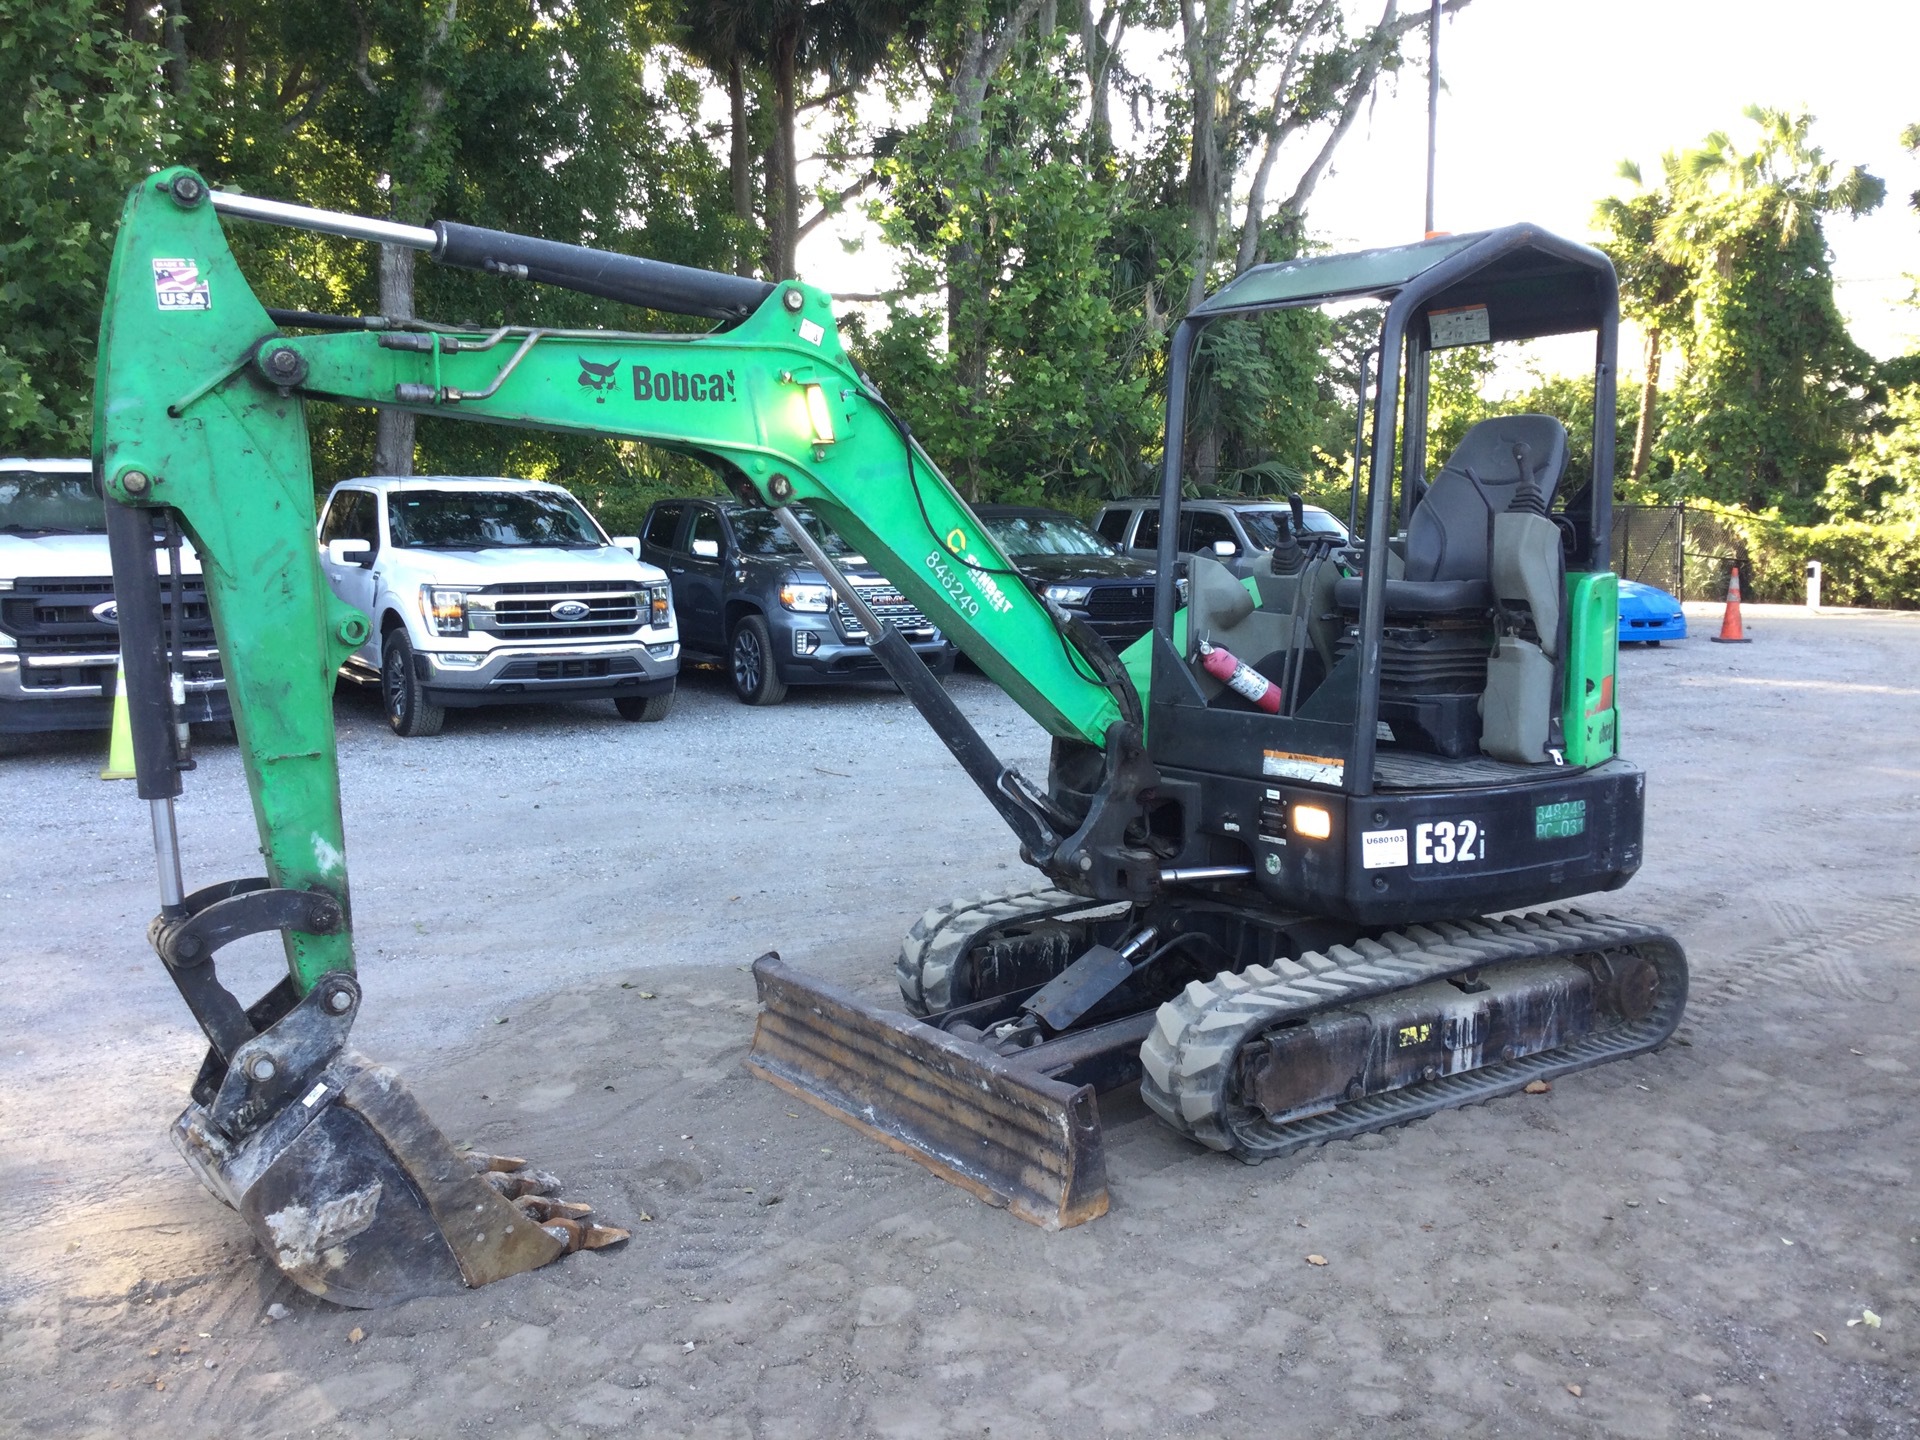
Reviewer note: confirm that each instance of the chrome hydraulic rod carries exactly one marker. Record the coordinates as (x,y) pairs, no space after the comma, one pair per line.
(166,854)
(325,222)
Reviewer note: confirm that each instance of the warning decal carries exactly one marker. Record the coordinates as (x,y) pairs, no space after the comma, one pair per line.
(1318,769)
(177,285)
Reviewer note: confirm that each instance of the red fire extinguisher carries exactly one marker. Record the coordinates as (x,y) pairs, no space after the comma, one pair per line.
(1240,678)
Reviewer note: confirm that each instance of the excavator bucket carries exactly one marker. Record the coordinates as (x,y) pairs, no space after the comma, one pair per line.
(349,1187)
(1011,1135)
(358,1198)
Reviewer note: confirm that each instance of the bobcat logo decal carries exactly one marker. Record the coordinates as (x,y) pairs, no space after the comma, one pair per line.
(598,378)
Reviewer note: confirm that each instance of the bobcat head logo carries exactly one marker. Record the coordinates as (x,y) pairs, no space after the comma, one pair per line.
(598,378)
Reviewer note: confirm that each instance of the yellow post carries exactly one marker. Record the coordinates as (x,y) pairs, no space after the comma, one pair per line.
(120,752)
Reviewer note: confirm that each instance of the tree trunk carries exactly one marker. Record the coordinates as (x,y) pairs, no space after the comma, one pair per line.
(394,429)
(415,188)
(175,35)
(783,185)
(1205,33)
(966,329)
(740,160)
(1097,49)
(1649,393)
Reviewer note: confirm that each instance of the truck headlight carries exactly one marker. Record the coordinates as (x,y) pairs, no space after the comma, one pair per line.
(810,599)
(445,610)
(659,605)
(1071,596)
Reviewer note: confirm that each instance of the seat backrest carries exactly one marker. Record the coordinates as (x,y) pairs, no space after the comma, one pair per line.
(1447,536)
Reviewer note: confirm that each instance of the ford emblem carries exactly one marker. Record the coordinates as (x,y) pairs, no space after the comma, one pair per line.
(569,610)
(107,612)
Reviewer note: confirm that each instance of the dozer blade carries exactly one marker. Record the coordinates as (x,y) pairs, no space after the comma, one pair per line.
(1010,1136)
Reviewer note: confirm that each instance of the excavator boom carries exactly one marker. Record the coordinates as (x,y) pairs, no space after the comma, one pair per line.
(200,427)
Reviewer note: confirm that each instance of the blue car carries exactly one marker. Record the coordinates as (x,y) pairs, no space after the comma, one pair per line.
(1648,615)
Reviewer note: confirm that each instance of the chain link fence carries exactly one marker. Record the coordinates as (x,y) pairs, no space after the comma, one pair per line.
(1683,551)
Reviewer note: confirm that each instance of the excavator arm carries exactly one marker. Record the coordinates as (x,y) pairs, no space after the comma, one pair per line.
(200,423)
(188,389)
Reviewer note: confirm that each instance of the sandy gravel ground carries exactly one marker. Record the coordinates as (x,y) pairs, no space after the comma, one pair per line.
(556,912)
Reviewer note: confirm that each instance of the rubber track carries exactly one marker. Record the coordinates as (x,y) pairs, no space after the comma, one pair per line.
(1189,1059)
(939,938)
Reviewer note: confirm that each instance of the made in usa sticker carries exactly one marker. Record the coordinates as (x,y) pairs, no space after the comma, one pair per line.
(177,285)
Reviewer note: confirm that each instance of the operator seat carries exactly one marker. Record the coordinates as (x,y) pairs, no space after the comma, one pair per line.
(1449,567)
(1471,646)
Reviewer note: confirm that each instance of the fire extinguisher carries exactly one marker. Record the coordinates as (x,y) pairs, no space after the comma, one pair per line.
(1240,678)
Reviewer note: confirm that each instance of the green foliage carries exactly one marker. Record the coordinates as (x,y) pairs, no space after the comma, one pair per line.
(1059,403)
(301,104)
(1257,412)
(1730,256)
(1866,564)
(83,119)
(1882,479)
(1457,382)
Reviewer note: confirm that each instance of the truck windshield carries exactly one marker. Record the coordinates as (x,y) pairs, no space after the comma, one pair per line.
(40,502)
(489,520)
(1263,526)
(759,532)
(1045,535)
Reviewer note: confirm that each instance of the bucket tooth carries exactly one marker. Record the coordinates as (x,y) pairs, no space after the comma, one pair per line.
(1009,1136)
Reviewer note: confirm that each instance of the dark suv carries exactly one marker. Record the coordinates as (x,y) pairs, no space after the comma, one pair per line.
(1063,560)
(745,594)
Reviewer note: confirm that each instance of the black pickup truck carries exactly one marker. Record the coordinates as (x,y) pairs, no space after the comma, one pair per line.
(746,596)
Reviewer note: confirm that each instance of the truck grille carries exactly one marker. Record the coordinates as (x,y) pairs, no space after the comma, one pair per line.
(1120,614)
(894,609)
(590,668)
(524,609)
(53,617)
(1121,602)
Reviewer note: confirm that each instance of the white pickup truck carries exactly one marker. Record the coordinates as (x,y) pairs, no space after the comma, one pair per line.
(59,631)
(488,591)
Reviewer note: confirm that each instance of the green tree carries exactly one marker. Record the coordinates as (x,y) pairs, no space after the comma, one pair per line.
(87,112)
(770,51)
(1655,289)
(1775,392)
(1056,403)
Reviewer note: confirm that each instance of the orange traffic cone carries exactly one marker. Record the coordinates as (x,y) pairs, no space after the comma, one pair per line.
(1730,631)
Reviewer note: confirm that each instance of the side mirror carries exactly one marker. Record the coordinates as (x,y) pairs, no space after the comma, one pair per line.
(1225,547)
(706,549)
(350,552)
(628,543)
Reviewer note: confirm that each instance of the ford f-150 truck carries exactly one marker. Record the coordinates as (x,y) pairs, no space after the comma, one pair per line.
(59,637)
(488,591)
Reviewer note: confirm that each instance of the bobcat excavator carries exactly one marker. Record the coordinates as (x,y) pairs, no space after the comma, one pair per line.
(1270,831)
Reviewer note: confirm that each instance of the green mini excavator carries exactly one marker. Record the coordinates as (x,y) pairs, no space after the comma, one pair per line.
(1271,832)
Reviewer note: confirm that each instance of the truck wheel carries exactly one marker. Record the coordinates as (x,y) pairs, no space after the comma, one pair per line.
(755,680)
(645,707)
(409,712)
